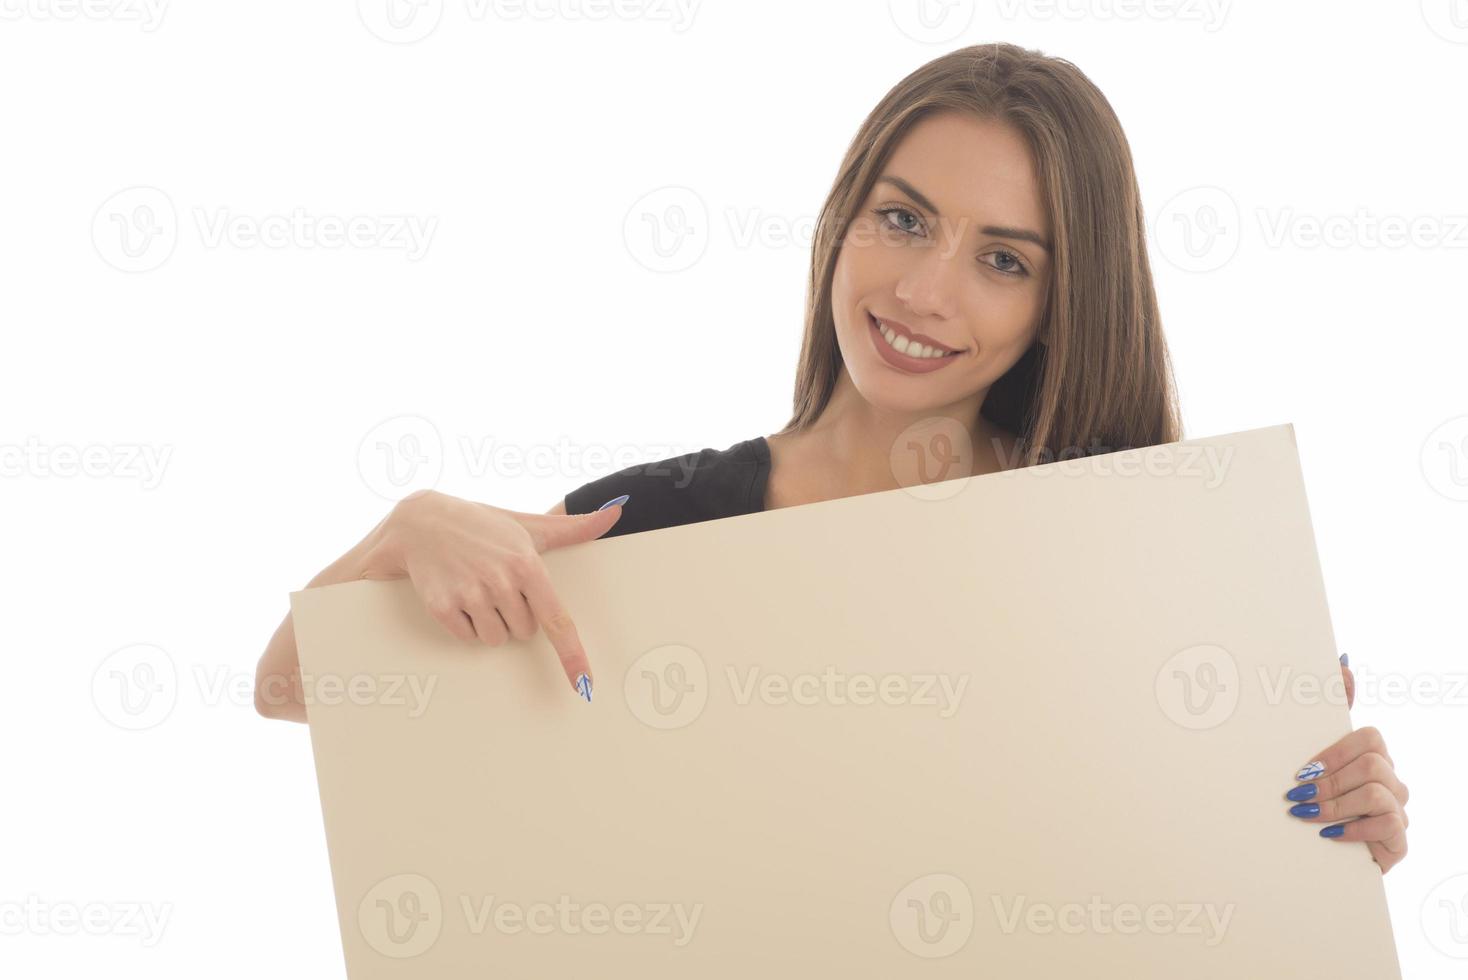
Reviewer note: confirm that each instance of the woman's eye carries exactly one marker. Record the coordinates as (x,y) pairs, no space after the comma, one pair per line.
(1005,262)
(1009,263)
(901,212)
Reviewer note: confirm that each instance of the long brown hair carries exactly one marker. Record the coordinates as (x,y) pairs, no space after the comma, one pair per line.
(1101,379)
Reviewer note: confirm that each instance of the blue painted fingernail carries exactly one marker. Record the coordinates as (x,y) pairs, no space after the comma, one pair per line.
(1302,792)
(615,501)
(1305,810)
(1311,771)
(1345,660)
(1334,830)
(583,687)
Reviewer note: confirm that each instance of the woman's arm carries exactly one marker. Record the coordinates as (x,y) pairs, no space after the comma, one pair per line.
(278,675)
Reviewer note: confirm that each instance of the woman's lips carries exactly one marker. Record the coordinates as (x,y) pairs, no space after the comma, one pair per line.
(911,334)
(905,362)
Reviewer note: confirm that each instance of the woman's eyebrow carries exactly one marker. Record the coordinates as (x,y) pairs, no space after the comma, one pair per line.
(1020,234)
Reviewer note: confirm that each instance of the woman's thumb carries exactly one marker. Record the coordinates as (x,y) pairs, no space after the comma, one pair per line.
(557,530)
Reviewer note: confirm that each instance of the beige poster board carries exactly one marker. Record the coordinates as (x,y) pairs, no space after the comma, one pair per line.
(1037,723)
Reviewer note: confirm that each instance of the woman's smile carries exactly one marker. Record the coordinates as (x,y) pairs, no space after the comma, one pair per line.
(900,352)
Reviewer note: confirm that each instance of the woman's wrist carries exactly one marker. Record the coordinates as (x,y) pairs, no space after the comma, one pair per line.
(368,558)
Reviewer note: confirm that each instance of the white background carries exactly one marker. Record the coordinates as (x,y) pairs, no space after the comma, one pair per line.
(535,312)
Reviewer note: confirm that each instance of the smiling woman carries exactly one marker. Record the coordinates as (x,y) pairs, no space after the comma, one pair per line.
(989,204)
(979,298)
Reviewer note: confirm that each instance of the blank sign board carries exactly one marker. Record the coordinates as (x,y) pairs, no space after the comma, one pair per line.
(1036,723)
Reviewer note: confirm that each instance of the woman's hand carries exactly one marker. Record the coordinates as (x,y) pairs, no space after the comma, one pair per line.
(478,569)
(1354,781)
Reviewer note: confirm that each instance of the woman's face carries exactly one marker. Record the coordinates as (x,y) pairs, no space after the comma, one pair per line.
(960,256)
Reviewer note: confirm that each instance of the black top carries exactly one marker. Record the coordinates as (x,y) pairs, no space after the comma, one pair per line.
(701,486)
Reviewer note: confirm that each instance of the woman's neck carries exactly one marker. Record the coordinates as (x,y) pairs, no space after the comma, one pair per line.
(854,448)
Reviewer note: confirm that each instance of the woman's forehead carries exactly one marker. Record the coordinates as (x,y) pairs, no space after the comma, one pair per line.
(968,166)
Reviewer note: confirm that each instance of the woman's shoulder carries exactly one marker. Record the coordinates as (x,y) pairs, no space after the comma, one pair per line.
(699,486)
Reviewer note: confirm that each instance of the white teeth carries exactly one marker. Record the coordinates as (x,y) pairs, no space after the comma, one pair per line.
(901,344)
